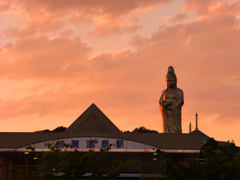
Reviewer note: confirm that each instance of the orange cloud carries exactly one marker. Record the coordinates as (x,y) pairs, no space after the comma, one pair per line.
(108,17)
(42,57)
(206,9)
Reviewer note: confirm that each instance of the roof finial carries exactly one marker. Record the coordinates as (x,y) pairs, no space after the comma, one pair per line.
(190,127)
(196,121)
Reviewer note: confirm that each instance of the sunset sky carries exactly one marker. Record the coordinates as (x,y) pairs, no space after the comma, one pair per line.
(59,56)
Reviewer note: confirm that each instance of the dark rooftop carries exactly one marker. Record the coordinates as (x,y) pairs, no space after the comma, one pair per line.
(94,123)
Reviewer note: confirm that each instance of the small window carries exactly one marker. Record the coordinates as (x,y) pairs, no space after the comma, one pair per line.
(104,143)
(119,144)
(90,144)
(75,143)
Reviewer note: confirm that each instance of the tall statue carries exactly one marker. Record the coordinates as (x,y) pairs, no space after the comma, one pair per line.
(171,102)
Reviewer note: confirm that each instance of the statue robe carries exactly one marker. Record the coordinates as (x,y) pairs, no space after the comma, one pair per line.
(171,102)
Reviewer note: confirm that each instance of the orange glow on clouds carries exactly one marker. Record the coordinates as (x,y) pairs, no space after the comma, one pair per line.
(58,58)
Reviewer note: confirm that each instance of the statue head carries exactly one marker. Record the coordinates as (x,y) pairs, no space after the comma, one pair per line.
(171,78)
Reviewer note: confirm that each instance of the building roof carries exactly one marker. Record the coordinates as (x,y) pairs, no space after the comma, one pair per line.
(93,123)
(163,141)
(203,136)
(93,120)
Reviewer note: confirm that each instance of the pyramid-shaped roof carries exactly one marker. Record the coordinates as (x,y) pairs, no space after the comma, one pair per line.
(203,136)
(93,120)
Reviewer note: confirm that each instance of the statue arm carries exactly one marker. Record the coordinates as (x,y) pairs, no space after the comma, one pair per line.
(161,100)
(165,103)
(180,99)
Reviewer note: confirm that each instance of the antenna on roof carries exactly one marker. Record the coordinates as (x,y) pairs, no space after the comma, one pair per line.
(196,121)
(190,127)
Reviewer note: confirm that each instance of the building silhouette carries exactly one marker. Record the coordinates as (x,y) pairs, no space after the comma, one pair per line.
(94,126)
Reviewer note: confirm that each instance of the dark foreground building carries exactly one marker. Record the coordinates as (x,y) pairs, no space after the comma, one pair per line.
(93,126)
